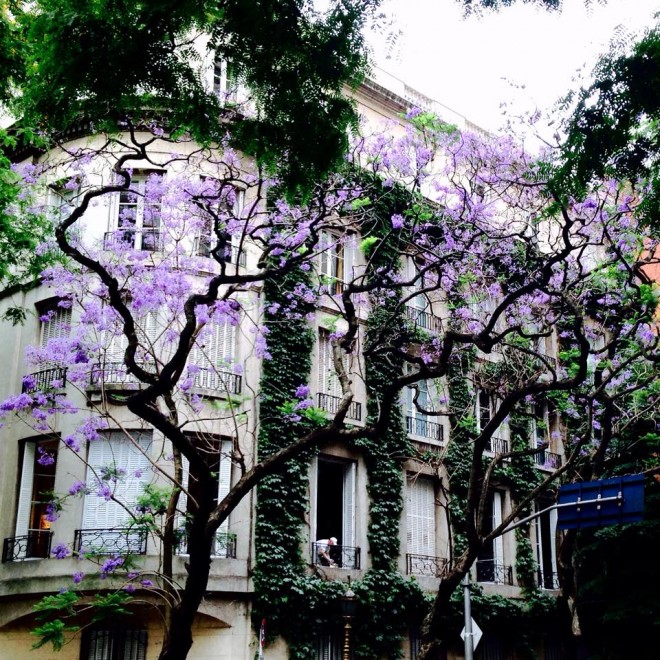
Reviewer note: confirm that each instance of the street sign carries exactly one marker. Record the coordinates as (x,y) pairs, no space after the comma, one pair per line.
(476,634)
(606,502)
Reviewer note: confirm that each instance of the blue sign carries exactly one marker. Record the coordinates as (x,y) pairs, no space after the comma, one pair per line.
(599,503)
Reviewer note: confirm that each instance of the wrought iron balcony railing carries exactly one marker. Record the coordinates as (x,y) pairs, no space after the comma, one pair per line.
(112,373)
(46,379)
(489,571)
(546,459)
(114,541)
(224,546)
(340,556)
(423,320)
(424,428)
(147,238)
(34,545)
(426,565)
(330,404)
(547,579)
(224,381)
(498,446)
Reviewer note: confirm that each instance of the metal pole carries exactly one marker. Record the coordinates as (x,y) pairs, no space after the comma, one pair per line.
(469,644)
(346,654)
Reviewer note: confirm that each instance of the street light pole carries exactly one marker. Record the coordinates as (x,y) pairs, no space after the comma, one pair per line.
(348,606)
(469,641)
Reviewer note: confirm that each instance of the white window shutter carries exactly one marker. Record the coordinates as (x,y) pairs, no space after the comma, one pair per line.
(348,531)
(421,517)
(224,476)
(498,546)
(113,450)
(57,326)
(328,381)
(25,492)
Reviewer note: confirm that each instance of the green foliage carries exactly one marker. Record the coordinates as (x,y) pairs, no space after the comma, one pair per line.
(105,61)
(52,630)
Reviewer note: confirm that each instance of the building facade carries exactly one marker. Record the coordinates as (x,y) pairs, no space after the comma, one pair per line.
(71,496)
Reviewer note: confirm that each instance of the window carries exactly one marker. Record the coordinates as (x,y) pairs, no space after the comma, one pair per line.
(116,641)
(418,423)
(490,563)
(118,469)
(112,369)
(417,308)
(53,334)
(485,409)
(330,643)
(335,509)
(37,483)
(540,425)
(336,265)
(218,456)
(220,202)
(329,387)
(213,358)
(546,547)
(420,517)
(328,380)
(139,215)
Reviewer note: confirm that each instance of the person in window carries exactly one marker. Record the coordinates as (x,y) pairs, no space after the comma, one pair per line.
(324,553)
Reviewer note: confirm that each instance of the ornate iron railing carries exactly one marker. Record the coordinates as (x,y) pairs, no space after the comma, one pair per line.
(547,459)
(115,541)
(40,381)
(111,373)
(340,556)
(498,446)
(422,427)
(330,404)
(424,320)
(224,546)
(34,545)
(489,571)
(218,380)
(547,579)
(426,565)
(146,238)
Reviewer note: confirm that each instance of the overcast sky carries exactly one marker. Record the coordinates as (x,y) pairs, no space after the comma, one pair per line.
(523,56)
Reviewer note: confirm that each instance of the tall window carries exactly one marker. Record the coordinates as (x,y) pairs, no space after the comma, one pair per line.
(118,641)
(418,422)
(490,563)
(37,484)
(336,261)
(420,515)
(118,469)
(139,214)
(485,409)
(328,380)
(217,454)
(213,357)
(220,204)
(335,508)
(546,547)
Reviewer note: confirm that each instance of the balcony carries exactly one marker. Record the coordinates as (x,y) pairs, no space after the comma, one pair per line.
(421,427)
(498,446)
(426,565)
(547,460)
(147,238)
(46,379)
(423,320)
(116,541)
(35,545)
(223,381)
(490,571)
(224,546)
(547,579)
(330,404)
(112,373)
(341,556)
